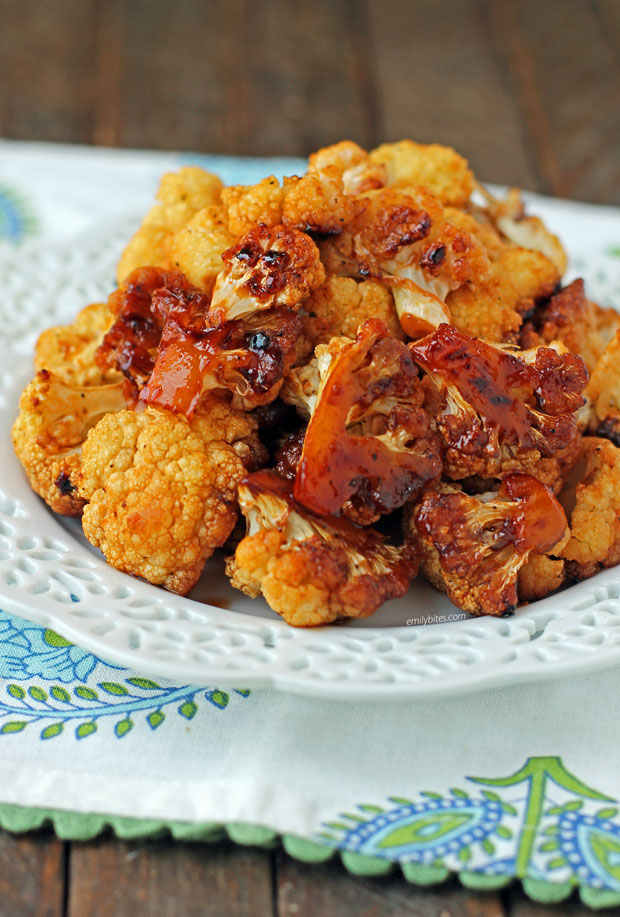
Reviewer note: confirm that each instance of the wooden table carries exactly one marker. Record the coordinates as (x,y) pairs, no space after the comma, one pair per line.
(529,91)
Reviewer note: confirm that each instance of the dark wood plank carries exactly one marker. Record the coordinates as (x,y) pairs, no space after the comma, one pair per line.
(111,878)
(46,84)
(441,81)
(607,13)
(568,85)
(31,875)
(244,77)
(305,891)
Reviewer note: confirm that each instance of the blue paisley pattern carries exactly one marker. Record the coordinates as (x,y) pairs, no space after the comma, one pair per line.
(48,682)
(540,823)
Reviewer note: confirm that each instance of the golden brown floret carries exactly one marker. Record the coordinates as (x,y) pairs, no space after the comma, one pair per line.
(312,570)
(501,410)
(603,393)
(541,575)
(401,237)
(352,163)
(52,424)
(196,249)
(570,317)
(442,170)
(268,267)
(509,217)
(69,350)
(472,547)
(181,194)
(248,205)
(595,520)
(341,304)
(317,202)
(161,492)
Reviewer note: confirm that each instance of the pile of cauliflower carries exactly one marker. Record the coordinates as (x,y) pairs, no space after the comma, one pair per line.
(340,379)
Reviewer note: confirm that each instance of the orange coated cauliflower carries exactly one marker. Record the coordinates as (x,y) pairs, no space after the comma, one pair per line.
(52,424)
(603,393)
(353,164)
(472,547)
(196,249)
(312,570)
(595,520)
(401,237)
(160,492)
(267,268)
(439,168)
(501,410)
(341,304)
(68,351)
(181,194)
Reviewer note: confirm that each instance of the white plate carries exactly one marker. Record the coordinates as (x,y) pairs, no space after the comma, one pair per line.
(51,575)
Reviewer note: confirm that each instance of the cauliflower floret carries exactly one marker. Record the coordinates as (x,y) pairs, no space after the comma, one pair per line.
(69,350)
(603,393)
(508,215)
(53,421)
(312,570)
(442,170)
(541,575)
(501,410)
(181,194)
(248,205)
(472,547)
(595,520)
(352,163)
(493,307)
(341,304)
(570,317)
(369,444)
(268,267)
(317,202)
(196,249)
(161,492)
(402,238)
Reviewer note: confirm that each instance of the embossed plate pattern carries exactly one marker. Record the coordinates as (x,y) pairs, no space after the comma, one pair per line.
(49,573)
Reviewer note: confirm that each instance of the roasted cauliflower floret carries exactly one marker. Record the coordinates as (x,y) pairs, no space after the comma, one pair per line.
(509,217)
(570,317)
(603,393)
(439,168)
(369,445)
(53,421)
(341,304)
(312,570)
(493,308)
(541,575)
(160,492)
(196,249)
(358,172)
(267,268)
(500,410)
(131,343)
(68,351)
(402,238)
(595,520)
(181,194)
(472,547)
(248,205)
(317,202)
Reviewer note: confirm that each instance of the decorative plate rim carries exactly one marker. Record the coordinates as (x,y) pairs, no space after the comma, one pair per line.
(49,577)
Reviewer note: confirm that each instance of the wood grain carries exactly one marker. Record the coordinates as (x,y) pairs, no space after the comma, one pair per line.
(112,878)
(32,875)
(441,80)
(305,891)
(566,81)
